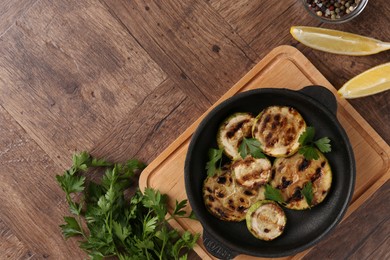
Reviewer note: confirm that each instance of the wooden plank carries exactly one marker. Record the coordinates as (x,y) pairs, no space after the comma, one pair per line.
(10,11)
(176,32)
(32,204)
(265,24)
(69,70)
(150,127)
(10,246)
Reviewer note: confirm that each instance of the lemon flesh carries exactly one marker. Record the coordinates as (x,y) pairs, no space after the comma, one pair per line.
(370,82)
(337,42)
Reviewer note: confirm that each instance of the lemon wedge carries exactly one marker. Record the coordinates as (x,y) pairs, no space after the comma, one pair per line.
(337,42)
(372,81)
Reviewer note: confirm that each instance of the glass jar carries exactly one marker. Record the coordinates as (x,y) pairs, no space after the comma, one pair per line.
(334,11)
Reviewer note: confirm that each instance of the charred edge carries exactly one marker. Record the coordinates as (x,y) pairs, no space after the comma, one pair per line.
(248,193)
(269,141)
(273,172)
(221,180)
(211,198)
(297,195)
(285,182)
(235,128)
(221,213)
(265,122)
(252,175)
(316,175)
(292,111)
(220,195)
(241,208)
(304,165)
(231,205)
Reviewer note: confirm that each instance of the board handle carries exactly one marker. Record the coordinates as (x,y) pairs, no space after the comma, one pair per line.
(216,248)
(322,95)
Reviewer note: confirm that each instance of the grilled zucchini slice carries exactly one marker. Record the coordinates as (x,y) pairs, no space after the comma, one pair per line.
(266,220)
(252,172)
(291,174)
(232,131)
(226,199)
(278,129)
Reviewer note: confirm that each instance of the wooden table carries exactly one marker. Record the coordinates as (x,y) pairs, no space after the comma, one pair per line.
(124,78)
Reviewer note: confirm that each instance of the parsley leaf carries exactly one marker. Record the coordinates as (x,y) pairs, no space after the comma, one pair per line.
(307,192)
(71,228)
(323,144)
(178,210)
(112,224)
(273,194)
(308,146)
(215,155)
(70,183)
(250,146)
(309,152)
(307,136)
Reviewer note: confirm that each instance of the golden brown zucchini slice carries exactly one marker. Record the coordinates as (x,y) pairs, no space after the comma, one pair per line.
(252,172)
(266,220)
(232,131)
(278,129)
(227,200)
(291,174)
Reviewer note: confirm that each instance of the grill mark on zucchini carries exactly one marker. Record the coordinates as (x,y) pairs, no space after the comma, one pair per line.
(232,132)
(292,174)
(220,195)
(266,220)
(297,195)
(265,122)
(285,183)
(278,129)
(316,175)
(304,165)
(221,180)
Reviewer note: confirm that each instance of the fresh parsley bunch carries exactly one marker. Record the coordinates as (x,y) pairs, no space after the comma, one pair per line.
(112,225)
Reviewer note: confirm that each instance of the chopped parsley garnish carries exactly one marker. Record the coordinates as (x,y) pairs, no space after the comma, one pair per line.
(215,156)
(251,146)
(274,194)
(308,146)
(307,192)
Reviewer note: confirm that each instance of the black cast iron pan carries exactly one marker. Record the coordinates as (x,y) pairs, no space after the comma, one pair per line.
(305,228)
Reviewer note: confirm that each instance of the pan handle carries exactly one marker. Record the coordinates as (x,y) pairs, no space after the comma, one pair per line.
(216,248)
(322,95)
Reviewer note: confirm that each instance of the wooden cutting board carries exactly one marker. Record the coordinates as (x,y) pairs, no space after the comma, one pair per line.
(284,67)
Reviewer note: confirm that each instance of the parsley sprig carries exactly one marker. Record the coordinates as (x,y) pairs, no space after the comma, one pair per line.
(306,140)
(110,224)
(250,146)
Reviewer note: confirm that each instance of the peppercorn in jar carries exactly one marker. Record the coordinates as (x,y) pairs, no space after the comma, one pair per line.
(335,10)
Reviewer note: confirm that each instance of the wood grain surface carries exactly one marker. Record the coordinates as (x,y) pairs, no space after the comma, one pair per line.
(125,78)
